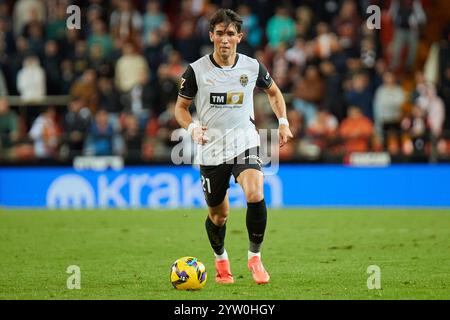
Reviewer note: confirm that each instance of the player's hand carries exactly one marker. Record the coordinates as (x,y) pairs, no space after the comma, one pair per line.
(199,135)
(284,134)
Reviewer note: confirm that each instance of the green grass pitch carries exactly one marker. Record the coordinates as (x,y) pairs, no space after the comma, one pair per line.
(310,254)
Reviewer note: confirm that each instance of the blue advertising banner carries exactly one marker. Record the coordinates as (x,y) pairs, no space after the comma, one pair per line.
(180,186)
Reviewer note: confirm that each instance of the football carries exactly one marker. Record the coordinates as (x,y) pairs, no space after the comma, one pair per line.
(188,273)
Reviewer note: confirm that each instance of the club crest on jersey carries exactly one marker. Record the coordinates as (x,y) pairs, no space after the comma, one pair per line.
(243,80)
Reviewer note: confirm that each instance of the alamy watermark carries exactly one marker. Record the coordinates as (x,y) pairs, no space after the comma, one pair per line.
(223,145)
(374,280)
(74,20)
(74,280)
(374,20)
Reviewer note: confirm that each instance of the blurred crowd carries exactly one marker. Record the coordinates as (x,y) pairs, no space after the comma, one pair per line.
(349,88)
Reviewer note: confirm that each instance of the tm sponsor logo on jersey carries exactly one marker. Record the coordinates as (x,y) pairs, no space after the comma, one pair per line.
(219,100)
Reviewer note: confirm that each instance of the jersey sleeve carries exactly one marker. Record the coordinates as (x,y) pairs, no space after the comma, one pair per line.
(264,80)
(188,86)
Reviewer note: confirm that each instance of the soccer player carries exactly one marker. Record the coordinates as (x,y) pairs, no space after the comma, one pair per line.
(221,86)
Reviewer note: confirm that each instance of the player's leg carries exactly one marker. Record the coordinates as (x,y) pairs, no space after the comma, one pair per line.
(215,180)
(216,226)
(216,229)
(252,182)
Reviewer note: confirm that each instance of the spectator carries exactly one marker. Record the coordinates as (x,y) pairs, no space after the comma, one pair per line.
(167,124)
(51,63)
(347,25)
(308,93)
(297,54)
(26,11)
(203,27)
(80,57)
(154,20)
(356,131)
(9,131)
(6,36)
(368,52)
(139,99)
(322,130)
(126,22)
(333,99)
(388,102)
(420,85)
(433,105)
(67,76)
(109,99)
(377,75)
(98,62)
(85,88)
(45,134)
(326,42)
(289,151)
(76,125)
(56,27)
(407,16)
(3,85)
(175,65)
(129,68)
(359,93)
(94,13)
(16,61)
(166,90)
(263,112)
(34,32)
(102,139)
(443,83)
(280,28)
(154,53)
(304,22)
(250,25)
(68,45)
(187,42)
(133,137)
(100,38)
(416,132)
(280,68)
(31,80)
(296,122)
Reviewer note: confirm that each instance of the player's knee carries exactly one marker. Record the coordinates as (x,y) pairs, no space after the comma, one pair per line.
(219,219)
(254,195)
(219,214)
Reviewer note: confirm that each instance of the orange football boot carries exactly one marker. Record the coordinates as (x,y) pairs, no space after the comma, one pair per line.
(259,274)
(223,272)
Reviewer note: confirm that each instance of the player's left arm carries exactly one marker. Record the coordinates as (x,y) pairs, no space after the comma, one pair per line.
(264,81)
(278,105)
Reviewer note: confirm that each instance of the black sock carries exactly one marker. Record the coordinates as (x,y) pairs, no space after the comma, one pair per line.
(256,223)
(216,235)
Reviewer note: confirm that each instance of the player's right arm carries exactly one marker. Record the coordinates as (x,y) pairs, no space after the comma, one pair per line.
(188,90)
(184,119)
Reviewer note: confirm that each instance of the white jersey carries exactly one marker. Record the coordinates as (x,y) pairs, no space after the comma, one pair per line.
(223,97)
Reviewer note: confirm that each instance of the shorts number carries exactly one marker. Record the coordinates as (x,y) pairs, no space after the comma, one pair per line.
(206,184)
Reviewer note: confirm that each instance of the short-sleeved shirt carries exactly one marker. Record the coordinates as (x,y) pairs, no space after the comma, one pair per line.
(223,97)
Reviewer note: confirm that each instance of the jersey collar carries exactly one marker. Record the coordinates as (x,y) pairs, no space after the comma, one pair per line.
(218,66)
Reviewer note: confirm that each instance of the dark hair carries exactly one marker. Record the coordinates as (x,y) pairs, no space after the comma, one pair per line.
(226,16)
